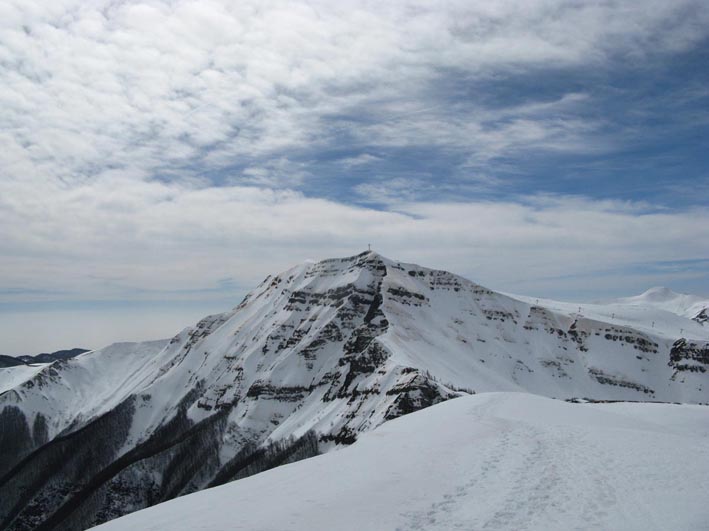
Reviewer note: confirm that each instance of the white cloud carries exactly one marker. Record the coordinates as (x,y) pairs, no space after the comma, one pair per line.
(167,236)
(398,191)
(164,85)
(360,160)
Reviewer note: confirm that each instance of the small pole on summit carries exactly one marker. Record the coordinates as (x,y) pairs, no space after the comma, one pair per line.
(369,247)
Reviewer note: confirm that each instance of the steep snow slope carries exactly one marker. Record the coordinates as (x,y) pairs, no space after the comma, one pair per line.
(67,393)
(17,375)
(491,461)
(325,351)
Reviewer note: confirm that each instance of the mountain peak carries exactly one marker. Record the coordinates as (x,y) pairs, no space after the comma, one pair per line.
(664,298)
(658,293)
(360,257)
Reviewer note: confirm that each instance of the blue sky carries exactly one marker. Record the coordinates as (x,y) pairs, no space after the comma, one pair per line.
(161,157)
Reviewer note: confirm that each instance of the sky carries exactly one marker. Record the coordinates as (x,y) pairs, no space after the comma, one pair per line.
(159,158)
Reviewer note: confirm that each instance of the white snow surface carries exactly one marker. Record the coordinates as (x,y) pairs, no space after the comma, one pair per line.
(14,376)
(667,316)
(505,461)
(682,304)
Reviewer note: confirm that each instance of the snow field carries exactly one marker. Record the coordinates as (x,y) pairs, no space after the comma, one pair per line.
(490,461)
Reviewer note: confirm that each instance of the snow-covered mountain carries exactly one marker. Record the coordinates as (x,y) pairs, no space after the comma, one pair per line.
(504,461)
(665,299)
(310,359)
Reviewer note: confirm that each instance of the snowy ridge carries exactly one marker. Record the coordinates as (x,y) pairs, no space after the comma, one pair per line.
(492,461)
(322,352)
(661,298)
(69,393)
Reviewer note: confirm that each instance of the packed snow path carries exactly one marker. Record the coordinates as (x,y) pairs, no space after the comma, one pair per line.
(484,462)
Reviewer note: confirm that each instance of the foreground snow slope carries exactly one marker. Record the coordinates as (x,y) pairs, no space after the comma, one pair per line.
(491,461)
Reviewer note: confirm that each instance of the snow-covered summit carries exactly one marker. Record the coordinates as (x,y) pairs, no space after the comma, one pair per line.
(657,294)
(312,358)
(662,298)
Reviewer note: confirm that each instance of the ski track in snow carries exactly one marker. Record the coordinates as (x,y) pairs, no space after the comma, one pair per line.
(536,475)
(530,486)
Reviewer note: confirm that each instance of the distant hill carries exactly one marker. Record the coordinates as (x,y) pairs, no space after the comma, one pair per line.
(686,305)
(45,357)
(9,361)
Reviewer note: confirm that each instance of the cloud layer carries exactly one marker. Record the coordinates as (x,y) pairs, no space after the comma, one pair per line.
(114,239)
(185,88)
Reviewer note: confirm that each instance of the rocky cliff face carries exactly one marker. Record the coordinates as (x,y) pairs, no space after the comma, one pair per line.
(310,359)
